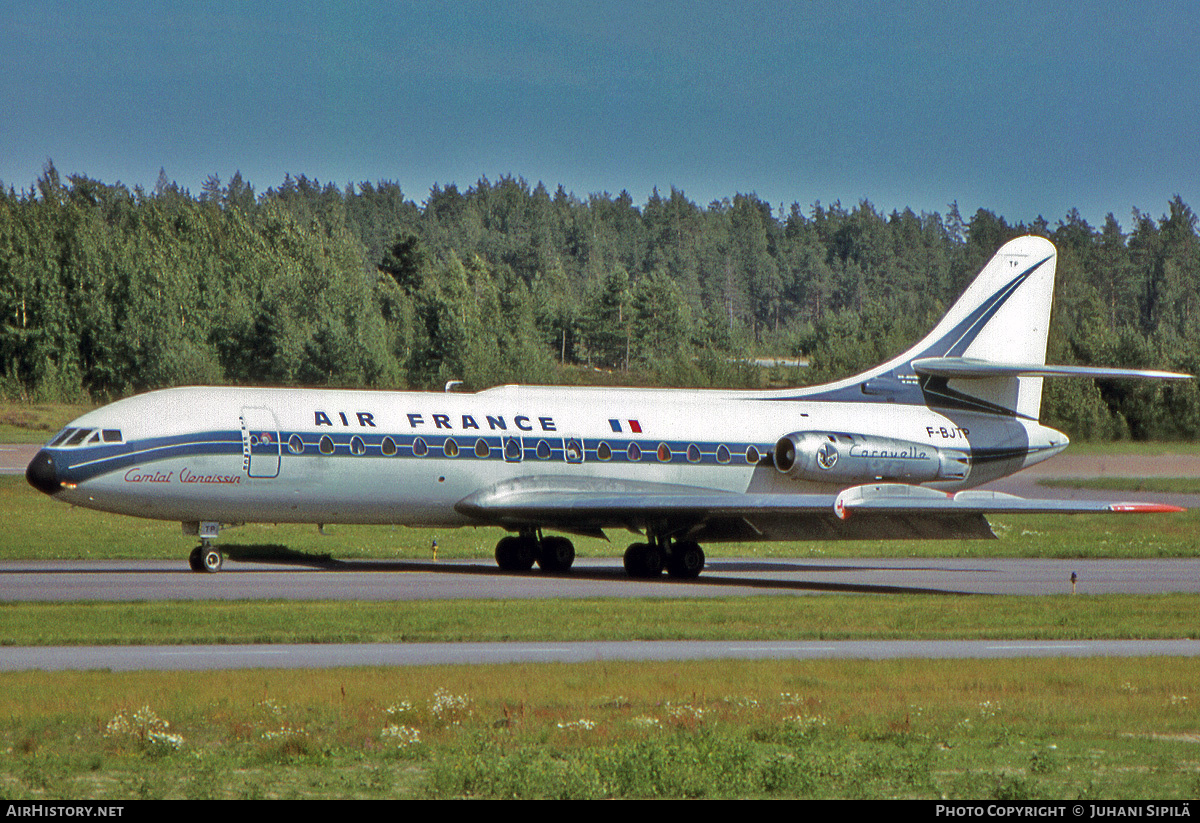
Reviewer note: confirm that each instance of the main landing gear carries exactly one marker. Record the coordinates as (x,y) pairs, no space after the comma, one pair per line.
(682,559)
(518,553)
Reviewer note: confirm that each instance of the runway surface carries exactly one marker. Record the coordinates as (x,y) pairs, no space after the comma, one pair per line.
(207,658)
(14,457)
(382,580)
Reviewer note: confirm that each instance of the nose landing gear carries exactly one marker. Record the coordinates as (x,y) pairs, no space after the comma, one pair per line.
(206,558)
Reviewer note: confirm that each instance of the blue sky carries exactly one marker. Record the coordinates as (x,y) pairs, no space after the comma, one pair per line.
(1026,109)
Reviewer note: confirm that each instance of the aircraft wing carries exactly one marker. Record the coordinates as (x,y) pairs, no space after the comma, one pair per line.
(590,503)
(879,511)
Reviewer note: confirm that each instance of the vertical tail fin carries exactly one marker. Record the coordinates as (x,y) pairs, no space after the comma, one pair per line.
(988,354)
(1003,318)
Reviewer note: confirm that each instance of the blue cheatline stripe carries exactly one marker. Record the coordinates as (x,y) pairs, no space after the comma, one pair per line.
(100,460)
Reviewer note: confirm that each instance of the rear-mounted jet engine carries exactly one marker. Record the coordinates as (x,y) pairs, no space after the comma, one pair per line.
(834,457)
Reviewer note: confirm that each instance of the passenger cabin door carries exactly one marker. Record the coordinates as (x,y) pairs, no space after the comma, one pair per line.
(261,448)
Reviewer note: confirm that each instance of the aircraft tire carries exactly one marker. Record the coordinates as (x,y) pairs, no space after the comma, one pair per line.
(644,561)
(686,560)
(556,554)
(515,554)
(196,559)
(212,560)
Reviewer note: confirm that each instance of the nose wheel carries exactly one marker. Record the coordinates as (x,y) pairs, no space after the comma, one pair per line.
(205,558)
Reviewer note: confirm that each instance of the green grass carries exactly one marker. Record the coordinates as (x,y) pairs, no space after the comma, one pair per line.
(1167,485)
(1134,447)
(826,617)
(1012,729)
(35,422)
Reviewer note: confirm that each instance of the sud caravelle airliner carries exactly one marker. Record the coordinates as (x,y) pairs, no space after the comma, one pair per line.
(895,452)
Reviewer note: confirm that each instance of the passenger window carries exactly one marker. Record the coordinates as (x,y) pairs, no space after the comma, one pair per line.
(664,453)
(388,446)
(420,448)
(326,445)
(481,448)
(357,446)
(752,455)
(543,450)
(512,449)
(722,454)
(603,452)
(295,444)
(634,453)
(450,448)
(693,453)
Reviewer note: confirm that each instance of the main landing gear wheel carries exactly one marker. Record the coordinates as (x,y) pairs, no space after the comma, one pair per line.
(556,554)
(205,559)
(516,554)
(683,560)
(686,560)
(644,560)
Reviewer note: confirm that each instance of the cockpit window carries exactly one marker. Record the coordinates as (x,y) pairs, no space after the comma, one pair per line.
(74,437)
(78,437)
(63,435)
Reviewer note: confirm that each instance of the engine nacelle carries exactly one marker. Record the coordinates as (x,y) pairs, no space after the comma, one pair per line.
(836,457)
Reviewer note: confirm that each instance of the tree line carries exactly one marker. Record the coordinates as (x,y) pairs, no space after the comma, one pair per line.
(106,291)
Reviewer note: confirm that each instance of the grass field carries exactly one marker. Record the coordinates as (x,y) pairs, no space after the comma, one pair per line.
(1068,729)
(35,422)
(824,617)
(1167,485)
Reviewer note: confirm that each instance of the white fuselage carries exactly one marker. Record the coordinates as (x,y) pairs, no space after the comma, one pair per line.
(335,456)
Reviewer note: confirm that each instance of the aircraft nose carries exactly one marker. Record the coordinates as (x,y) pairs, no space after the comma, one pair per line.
(42,474)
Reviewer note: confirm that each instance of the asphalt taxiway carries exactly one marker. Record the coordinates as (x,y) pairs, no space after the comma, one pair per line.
(383,580)
(335,655)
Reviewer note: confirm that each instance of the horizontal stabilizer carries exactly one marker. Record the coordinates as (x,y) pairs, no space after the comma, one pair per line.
(967,368)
